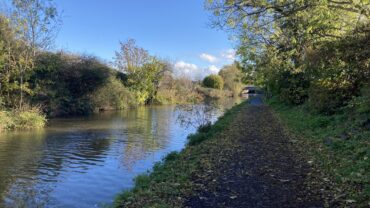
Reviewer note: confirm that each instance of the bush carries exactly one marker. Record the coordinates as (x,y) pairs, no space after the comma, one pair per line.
(359,109)
(63,82)
(180,91)
(232,76)
(215,93)
(29,119)
(6,121)
(205,127)
(293,88)
(112,95)
(326,97)
(22,119)
(213,81)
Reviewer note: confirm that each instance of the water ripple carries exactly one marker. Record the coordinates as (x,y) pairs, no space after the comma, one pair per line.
(101,154)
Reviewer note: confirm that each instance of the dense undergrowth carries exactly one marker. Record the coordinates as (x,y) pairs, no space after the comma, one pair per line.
(22,119)
(338,143)
(171,178)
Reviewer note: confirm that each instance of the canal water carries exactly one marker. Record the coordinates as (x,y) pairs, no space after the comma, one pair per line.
(86,161)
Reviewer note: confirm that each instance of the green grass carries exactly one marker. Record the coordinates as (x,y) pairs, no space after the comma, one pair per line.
(170,179)
(6,121)
(339,145)
(21,120)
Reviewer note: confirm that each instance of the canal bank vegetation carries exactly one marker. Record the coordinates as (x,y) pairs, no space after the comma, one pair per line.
(25,119)
(338,144)
(24,30)
(171,179)
(312,59)
(229,82)
(39,83)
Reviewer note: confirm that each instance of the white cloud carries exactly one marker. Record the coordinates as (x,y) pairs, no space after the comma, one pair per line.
(213,69)
(208,57)
(182,68)
(229,54)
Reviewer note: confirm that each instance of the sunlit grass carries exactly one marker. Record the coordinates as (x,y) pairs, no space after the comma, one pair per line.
(22,119)
(339,144)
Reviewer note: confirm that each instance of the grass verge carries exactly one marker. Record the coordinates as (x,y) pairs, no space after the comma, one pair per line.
(339,145)
(170,179)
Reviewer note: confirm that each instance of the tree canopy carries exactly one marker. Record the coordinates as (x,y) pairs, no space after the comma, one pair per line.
(322,46)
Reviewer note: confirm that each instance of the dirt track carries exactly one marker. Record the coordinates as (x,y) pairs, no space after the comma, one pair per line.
(254,164)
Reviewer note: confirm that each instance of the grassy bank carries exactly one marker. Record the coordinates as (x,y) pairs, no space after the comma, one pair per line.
(214,93)
(338,144)
(170,179)
(21,120)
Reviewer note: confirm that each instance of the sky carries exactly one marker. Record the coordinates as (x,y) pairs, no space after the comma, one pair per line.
(177,30)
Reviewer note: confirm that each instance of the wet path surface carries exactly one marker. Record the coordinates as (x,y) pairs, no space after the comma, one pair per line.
(254,164)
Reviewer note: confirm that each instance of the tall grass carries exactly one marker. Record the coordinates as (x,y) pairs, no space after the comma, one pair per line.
(26,119)
(6,121)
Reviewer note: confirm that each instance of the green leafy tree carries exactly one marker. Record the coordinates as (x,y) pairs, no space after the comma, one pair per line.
(304,39)
(232,77)
(64,83)
(213,81)
(30,27)
(143,71)
(15,59)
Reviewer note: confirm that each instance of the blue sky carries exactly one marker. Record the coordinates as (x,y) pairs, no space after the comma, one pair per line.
(177,30)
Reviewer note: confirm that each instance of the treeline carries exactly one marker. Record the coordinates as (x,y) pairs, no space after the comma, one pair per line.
(305,52)
(229,82)
(313,60)
(63,84)
(36,83)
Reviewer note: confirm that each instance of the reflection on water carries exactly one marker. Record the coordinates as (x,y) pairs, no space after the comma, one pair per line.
(83,162)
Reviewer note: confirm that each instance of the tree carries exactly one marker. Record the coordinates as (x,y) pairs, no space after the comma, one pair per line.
(144,72)
(232,77)
(6,36)
(37,22)
(306,40)
(130,58)
(213,81)
(15,58)
(156,70)
(291,27)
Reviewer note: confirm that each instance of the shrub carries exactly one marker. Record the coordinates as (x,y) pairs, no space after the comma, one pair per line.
(180,91)
(293,87)
(6,121)
(22,119)
(214,93)
(112,95)
(232,76)
(213,81)
(29,119)
(172,156)
(359,109)
(63,82)
(327,97)
(205,127)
